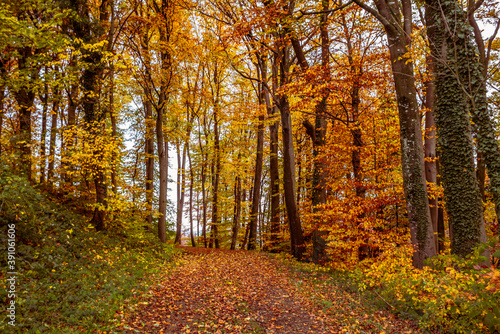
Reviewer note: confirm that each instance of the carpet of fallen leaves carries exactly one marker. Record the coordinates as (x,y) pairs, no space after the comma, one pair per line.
(222,291)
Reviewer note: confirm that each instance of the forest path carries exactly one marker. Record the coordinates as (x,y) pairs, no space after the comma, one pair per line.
(222,291)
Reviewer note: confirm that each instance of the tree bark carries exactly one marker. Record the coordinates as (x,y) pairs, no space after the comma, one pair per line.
(163,166)
(191,184)
(94,116)
(317,133)
(149,122)
(237,212)
(70,135)
(166,11)
(274,181)
(203,182)
(296,234)
(289,185)
(3,74)
(476,60)
(112,116)
(25,98)
(430,142)
(252,237)
(181,190)
(44,100)
(52,140)
(450,49)
(396,19)
(215,181)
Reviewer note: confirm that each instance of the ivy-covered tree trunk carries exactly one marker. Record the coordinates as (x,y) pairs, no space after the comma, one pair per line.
(450,47)
(488,152)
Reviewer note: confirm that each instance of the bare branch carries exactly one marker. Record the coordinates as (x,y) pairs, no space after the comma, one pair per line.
(303,13)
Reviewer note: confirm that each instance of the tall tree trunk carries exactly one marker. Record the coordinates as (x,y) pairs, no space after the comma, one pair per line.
(52,140)
(317,133)
(252,237)
(357,140)
(488,148)
(93,120)
(273,111)
(2,97)
(94,116)
(237,211)
(150,160)
(25,98)
(274,181)
(430,146)
(215,176)
(198,214)
(396,19)
(181,190)
(70,135)
(149,122)
(3,74)
(44,100)
(245,238)
(166,11)
(282,53)
(163,165)
(191,183)
(203,191)
(112,115)
(215,199)
(450,49)
(204,203)
(296,234)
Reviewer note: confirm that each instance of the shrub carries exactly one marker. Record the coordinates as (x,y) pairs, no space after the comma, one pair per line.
(452,294)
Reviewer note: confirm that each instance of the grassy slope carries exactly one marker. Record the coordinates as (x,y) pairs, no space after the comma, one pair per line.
(71,278)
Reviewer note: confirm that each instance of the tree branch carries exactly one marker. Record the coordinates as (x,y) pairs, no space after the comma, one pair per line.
(375,13)
(303,13)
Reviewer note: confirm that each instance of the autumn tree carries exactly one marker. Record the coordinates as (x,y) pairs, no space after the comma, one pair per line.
(396,17)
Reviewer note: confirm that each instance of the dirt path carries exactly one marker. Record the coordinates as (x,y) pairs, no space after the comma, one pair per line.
(218,291)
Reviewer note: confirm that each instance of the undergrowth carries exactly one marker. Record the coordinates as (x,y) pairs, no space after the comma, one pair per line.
(450,295)
(71,278)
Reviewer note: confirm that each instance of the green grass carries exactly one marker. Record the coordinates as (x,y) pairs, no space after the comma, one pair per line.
(72,279)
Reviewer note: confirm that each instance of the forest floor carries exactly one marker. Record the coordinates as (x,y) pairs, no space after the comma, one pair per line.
(223,291)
